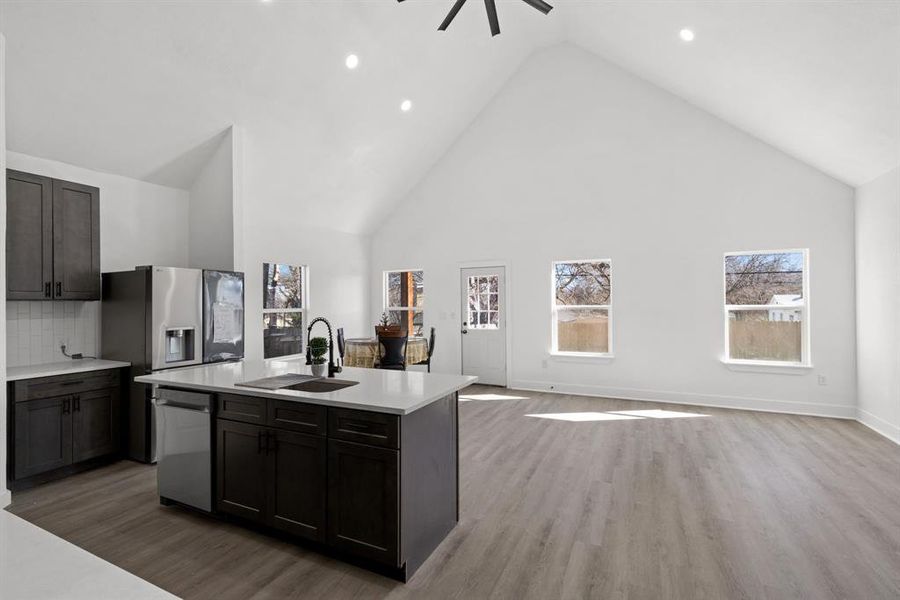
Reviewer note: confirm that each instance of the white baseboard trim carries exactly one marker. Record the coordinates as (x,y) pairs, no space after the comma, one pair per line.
(879,426)
(5,499)
(838,411)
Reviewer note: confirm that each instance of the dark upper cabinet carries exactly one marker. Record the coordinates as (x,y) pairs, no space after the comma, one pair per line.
(363,501)
(43,435)
(53,239)
(76,241)
(241,469)
(296,488)
(29,236)
(95,424)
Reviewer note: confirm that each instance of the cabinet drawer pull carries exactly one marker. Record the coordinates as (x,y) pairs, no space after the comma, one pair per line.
(72,382)
(357,426)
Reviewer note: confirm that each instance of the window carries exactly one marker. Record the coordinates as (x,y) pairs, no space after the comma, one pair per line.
(284,309)
(483,299)
(581,307)
(404,297)
(766,303)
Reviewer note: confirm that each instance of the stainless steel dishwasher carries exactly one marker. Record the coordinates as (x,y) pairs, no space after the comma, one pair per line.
(184,447)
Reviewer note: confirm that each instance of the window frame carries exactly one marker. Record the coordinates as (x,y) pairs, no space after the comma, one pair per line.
(304,319)
(554,313)
(385,295)
(805,361)
(468,315)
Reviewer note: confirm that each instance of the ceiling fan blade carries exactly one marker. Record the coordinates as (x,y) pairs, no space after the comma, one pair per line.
(538,4)
(491,7)
(451,15)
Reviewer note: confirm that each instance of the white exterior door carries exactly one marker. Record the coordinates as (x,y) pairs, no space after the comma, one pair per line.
(483,317)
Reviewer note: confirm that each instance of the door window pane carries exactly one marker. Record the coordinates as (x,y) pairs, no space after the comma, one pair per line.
(483,302)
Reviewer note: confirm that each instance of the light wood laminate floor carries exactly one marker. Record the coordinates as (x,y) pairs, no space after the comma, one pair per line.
(733,504)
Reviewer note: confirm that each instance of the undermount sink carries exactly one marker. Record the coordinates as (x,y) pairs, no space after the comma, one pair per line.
(319,386)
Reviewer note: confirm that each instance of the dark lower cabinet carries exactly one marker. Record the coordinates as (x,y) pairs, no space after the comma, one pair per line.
(43,436)
(363,501)
(375,487)
(58,425)
(272,477)
(296,488)
(241,470)
(95,424)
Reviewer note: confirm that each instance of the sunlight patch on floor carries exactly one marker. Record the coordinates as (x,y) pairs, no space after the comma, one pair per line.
(467,397)
(659,414)
(616,415)
(583,416)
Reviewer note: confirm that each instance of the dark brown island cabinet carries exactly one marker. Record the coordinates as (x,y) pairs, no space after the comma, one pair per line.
(52,239)
(62,424)
(377,487)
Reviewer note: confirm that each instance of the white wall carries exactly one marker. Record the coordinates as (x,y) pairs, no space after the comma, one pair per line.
(274,229)
(4,493)
(140,223)
(211,239)
(575,158)
(878,303)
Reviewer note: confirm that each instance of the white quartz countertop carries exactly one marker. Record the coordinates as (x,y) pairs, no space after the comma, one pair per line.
(394,392)
(81,365)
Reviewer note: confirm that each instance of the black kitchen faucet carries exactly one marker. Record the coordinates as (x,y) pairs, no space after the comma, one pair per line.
(332,368)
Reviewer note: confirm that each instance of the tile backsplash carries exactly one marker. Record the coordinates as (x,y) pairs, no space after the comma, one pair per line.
(35,331)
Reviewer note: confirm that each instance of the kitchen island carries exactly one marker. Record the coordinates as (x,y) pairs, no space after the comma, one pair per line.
(367,472)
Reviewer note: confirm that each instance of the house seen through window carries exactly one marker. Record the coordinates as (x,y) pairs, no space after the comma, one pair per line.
(765,306)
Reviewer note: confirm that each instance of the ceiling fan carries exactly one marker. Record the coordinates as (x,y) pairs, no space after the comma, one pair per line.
(491,7)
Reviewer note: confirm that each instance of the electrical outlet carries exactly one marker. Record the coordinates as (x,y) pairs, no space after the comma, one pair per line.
(823,380)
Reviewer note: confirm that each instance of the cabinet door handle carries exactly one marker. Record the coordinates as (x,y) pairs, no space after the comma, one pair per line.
(66,406)
(47,287)
(259,443)
(58,289)
(271,442)
(77,402)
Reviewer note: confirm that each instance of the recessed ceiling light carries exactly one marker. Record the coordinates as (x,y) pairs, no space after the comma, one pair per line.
(687,35)
(352,61)
(406,105)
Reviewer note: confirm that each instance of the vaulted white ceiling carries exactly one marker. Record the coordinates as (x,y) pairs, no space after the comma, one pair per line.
(140,88)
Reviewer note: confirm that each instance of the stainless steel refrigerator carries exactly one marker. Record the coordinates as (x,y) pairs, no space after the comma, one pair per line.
(162,318)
